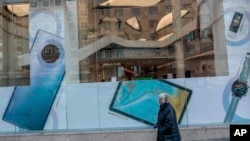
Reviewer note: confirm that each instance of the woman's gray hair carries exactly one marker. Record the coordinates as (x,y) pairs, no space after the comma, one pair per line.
(164,96)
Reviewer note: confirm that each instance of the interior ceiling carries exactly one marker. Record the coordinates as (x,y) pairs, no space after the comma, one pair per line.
(19,9)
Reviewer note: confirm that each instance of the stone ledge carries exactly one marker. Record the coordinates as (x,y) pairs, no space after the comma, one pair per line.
(206,133)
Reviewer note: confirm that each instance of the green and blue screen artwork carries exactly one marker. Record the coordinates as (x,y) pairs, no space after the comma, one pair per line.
(139,99)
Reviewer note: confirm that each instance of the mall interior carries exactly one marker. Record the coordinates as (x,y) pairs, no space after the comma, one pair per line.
(111,41)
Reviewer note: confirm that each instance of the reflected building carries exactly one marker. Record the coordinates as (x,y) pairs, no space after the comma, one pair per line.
(143,40)
(116,40)
(14,41)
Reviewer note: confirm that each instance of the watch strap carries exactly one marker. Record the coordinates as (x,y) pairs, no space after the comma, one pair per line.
(245,69)
(232,109)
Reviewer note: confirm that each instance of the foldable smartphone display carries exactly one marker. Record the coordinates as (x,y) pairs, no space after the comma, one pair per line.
(29,106)
(139,99)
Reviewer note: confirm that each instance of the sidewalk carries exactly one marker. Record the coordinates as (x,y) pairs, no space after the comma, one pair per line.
(208,133)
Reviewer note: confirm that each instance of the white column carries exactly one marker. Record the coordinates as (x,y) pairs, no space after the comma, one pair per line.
(71,42)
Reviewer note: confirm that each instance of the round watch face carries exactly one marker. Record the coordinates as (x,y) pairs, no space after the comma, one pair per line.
(239,88)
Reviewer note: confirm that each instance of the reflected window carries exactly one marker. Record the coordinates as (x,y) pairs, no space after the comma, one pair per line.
(45,3)
(169,9)
(19,50)
(18,31)
(152,11)
(205,19)
(135,11)
(190,49)
(84,25)
(171,50)
(58,2)
(72,25)
(204,5)
(189,36)
(206,33)
(104,12)
(72,37)
(106,54)
(84,36)
(71,13)
(118,12)
(18,42)
(33,4)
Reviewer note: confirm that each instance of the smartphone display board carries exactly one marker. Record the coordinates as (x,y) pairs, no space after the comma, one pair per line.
(29,106)
(236,22)
(139,99)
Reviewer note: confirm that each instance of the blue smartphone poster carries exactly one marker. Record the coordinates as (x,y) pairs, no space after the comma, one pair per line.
(29,106)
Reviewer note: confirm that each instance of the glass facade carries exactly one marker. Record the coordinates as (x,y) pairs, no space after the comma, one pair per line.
(83,62)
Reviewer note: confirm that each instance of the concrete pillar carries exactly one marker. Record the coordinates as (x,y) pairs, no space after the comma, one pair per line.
(219,39)
(177,28)
(179,59)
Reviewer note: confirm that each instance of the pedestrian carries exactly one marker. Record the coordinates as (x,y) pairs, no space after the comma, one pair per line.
(167,125)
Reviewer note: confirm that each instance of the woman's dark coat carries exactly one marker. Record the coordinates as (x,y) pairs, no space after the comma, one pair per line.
(167,125)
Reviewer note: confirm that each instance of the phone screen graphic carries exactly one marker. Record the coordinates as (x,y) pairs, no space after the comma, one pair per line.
(236,21)
(29,106)
(139,99)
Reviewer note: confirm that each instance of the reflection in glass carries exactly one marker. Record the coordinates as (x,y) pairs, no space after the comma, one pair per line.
(134,35)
